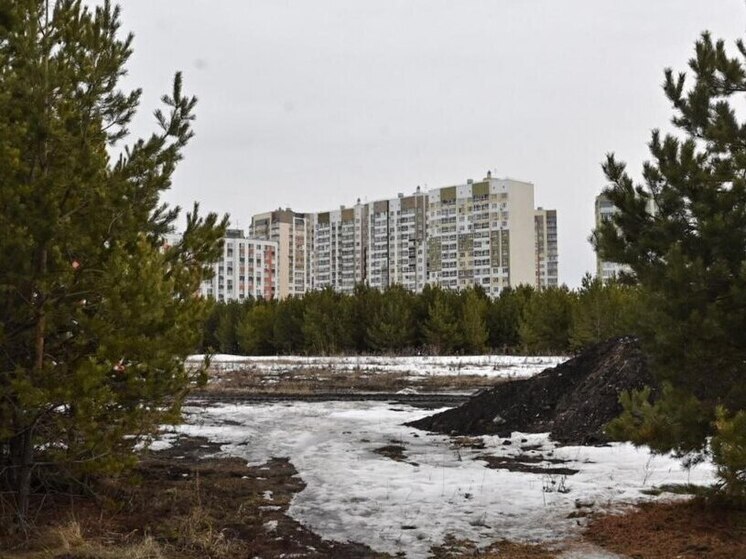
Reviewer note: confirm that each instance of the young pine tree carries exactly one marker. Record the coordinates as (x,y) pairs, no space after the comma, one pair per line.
(392,326)
(96,313)
(604,310)
(544,325)
(689,257)
(474,334)
(442,328)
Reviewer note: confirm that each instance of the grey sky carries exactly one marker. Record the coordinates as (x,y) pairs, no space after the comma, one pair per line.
(314,104)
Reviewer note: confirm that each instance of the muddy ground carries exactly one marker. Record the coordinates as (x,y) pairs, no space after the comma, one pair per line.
(186,503)
(307,381)
(183,503)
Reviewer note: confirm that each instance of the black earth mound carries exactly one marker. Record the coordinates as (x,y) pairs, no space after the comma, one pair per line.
(573,401)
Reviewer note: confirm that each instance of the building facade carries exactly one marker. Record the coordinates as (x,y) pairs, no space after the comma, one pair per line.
(604,210)
(291,232)
(339,248)
(481,233)
(484,233)
(605,269)
(247,269)
(397,242)
(545,235)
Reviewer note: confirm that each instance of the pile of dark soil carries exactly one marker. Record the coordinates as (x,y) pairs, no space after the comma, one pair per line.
(573,401)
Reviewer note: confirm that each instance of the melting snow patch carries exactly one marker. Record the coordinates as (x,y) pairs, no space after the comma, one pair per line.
(354,494)
(497,366)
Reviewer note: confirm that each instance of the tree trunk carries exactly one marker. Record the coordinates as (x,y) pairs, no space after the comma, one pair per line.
(21,463)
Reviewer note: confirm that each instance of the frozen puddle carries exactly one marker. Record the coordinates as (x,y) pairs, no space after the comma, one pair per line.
(356,494)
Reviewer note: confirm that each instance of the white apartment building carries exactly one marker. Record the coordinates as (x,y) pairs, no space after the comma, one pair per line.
(481,233)
(247,269)
(545,235)
(339,246)
(397,230)
(290,230)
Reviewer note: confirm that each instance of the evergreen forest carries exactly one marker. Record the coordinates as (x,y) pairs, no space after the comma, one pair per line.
(396,321)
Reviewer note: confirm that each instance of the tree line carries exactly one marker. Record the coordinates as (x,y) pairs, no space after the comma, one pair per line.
(556,320)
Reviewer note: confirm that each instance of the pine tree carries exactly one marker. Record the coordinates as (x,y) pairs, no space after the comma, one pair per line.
(504,317)
(545,323)
(96,314)
(604,310)
(689,257)
(255,330)
(228,321)
(474,332)
(392,326)
(287,330)
(442,328)
(323,331)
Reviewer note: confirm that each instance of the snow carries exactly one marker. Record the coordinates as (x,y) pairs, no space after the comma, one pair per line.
(498,366)
(354,494)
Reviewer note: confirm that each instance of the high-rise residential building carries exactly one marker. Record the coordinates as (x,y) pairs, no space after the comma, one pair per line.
(339,247)
(545,235)
(247,269)
(605,269)
(397,230)
(290,231)
(605,209)
(481,233)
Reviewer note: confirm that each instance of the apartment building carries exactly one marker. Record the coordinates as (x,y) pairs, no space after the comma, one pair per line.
(545,249)
(339,248)
(397,230)
(247,269)
(481,233)
(605,209)
(485,233)
(290,230)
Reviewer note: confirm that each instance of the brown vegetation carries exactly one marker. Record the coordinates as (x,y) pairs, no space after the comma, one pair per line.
(181,507)
(306,380)
(682,530)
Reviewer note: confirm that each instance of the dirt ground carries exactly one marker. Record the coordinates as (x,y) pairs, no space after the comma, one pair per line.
(181,504)
(309,381)
(178,505)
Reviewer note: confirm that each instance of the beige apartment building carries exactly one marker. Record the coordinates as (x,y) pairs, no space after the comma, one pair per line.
(481,233)
(397,232)
(290,231)
(485,233)
(338,248)
(545,235)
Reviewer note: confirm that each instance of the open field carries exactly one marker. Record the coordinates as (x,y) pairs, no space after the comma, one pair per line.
(190,500)
(371,480)
(231,374)
(347,479)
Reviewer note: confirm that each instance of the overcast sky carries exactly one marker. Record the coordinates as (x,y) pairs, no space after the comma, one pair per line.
(311,105)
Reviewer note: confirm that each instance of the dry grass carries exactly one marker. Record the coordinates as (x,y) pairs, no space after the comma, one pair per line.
(67,541)
(682,530)
(314,380)
(181,508)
